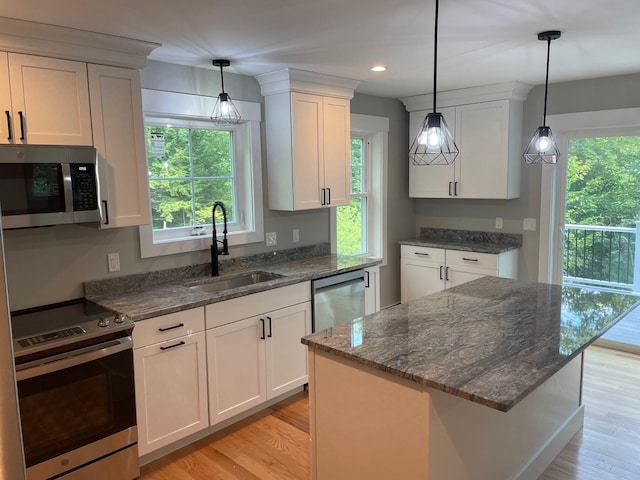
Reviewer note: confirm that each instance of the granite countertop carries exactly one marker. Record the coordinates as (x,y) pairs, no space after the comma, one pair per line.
(152,294)
(491,341)
(466,240)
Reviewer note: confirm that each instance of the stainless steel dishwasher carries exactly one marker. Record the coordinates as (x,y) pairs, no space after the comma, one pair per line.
(338,299)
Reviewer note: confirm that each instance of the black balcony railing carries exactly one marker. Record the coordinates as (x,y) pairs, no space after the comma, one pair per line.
(600,256)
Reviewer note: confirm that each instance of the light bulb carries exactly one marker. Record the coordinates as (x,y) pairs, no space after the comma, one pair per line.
(224,108)
(543,144)
(434,137)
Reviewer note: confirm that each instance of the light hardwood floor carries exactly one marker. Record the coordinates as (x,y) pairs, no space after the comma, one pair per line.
(274,444)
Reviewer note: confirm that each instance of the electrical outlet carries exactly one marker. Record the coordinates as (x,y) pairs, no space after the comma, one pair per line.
(272,239)
(296,235)
(499,223)
(529,224)
(114,262)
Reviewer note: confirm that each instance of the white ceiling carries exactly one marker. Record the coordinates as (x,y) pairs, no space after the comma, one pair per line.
(480,42)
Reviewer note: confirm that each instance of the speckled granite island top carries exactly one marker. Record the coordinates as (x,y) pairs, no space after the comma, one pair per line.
(492,340)
(466,240)
(158,293)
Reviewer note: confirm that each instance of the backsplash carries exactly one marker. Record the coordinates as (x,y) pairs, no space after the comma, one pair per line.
(128,283)
(449,235)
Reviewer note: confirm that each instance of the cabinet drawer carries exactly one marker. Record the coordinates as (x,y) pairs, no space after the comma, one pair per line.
(229,311)
(428,254)
(464,260)
(167,327)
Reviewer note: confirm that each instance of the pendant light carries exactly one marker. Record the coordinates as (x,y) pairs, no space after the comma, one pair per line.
(543,147)
(224,112)
(434,144)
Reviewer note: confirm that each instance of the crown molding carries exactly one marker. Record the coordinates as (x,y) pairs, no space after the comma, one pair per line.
(292,80)
(33,38)
(517,91)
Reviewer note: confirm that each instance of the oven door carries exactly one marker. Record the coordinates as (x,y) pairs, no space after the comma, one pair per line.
(77,407)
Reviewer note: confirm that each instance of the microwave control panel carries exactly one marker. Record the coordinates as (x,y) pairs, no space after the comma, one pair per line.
(85,186)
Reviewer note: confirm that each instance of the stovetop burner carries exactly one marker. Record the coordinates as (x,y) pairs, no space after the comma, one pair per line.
(58,325)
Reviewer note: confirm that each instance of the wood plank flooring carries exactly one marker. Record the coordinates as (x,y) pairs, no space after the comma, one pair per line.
(274,444)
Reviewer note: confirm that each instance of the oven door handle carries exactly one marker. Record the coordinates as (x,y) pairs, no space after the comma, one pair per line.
(71,359)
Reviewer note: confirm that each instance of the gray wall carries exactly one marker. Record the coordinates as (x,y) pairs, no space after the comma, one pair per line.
(568,97)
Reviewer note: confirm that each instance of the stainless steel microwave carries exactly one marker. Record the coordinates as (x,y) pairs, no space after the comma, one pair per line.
(44,185)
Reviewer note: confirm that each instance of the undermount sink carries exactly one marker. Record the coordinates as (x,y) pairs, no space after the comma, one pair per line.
(217,285)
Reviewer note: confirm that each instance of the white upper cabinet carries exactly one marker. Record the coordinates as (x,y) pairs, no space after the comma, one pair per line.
(487,127)
(49,101)
(118,135)
(308,139)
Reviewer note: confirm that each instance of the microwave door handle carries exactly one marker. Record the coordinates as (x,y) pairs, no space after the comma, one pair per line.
(72,359)
(67,185)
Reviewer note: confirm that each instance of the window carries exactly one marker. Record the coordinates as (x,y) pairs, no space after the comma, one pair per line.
(358,228)
(189,169)
(192,164)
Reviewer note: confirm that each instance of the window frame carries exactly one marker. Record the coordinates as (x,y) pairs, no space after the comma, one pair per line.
(183,110)
(374,130)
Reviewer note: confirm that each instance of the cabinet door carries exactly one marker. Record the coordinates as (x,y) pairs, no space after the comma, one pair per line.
(52,96)
(6,121)
(482,136)
(419,279)
(337,151)
(306,111)
(118,126)
(458,277)
(235,357)
(286,356)
(171,391)
(372,290)
(431,181)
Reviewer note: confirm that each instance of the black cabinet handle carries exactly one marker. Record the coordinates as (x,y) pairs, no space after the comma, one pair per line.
(421,254)
(366,279)
(441,267)
(179,344)
(21,125)
(455,189)
(262,337)
(329,202)
(323,195)
(9,131)
(166,329)
(106,212)
(450,188)
(446,274)
(469,259)
(270,330)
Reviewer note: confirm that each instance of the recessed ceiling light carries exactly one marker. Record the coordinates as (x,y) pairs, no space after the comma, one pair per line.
(378,68)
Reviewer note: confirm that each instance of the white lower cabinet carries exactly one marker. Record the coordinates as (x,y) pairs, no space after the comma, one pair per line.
(253,356)
(170,378)
(427,270)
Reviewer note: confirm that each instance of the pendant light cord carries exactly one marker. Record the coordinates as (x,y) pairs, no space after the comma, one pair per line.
(222,77)
(546,83)
(435,59)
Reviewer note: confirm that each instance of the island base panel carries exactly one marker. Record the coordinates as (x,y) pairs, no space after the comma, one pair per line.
(366,423)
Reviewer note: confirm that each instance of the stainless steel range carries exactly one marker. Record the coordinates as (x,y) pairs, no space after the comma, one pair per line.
(74,367)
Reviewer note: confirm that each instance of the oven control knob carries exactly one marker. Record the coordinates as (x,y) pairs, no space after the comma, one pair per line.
(120,318)
(103,322)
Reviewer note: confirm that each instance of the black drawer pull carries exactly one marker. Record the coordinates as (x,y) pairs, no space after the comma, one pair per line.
(9,131)
(421,254)
(166,329)
(21,125)
(179,344)
(469,259)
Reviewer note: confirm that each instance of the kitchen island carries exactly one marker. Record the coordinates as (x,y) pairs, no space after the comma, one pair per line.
(481,381)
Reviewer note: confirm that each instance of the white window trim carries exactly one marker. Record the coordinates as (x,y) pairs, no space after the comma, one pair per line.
(565,127)
(190,110)
(376,132)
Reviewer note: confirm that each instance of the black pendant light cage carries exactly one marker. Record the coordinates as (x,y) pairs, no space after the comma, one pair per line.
(224,111)
(434,143)
(543,148)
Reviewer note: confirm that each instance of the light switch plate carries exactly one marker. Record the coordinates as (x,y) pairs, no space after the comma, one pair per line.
(529,224)
(499,223)
(114,262)
(296,235)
